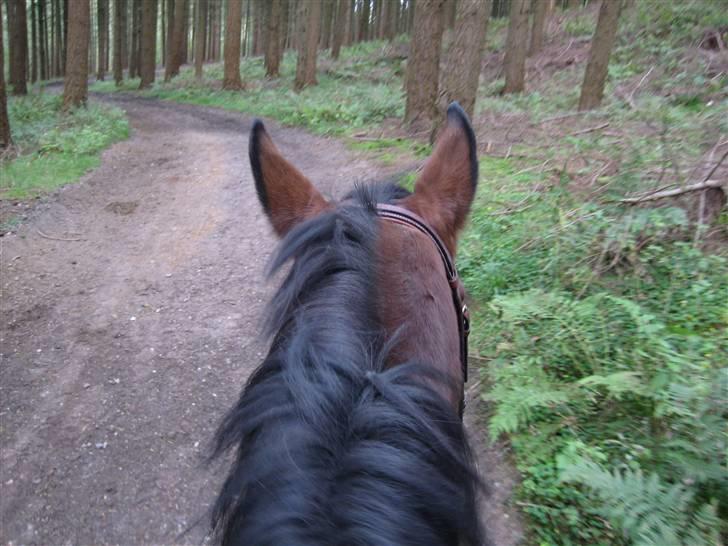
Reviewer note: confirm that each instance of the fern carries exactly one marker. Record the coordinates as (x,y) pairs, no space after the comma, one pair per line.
(648,511)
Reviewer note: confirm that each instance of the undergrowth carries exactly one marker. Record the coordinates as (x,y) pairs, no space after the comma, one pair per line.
(53,148)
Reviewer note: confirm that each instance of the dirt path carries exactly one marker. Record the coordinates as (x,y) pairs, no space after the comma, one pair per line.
(131,305)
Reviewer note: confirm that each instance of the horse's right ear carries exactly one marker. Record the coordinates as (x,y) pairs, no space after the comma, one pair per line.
(287,196)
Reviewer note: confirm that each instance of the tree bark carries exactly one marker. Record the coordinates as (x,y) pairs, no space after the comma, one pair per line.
(18,35)
(327,19)
(462,69)
(75,88)
(58,33)
(540,12)
(309,17)
(516,44)
(423,65)
(102,19)
(5,138)
(119,32)
(364,21)
(176,40)
(148,61)
(592,90)
(273,47)
(42,40)
(136,28)
(231,79)
(342,15)
(200,37)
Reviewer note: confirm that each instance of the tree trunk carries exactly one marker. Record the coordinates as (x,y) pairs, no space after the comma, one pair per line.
(42,40)
(342,15)
(19,49)
(33,43)
(574,4)
(176,39)
(75,88)
(119,33)
(231,79)
(516,44)
(423,65)
(200,37)
(327,18)
(5,139)
(167,36)
(540,11)
(135,38)
(273,49)
(217,31)
(364,21)
(592,90)
(58,33)
(283,28)
(183,41)
(309,18)
(148,61)
(102,20)
(462,69)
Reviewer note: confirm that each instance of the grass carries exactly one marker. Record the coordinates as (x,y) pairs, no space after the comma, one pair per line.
(604,325)
(338,105)
(53,148)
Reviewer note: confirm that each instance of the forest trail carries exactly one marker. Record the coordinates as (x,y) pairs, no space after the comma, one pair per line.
(131,310)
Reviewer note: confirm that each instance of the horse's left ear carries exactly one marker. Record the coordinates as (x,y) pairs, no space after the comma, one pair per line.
(446,188)
(287,196)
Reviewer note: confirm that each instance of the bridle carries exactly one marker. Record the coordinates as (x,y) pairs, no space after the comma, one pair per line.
(400,215)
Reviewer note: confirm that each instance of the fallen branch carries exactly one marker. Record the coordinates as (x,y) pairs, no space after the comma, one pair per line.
(673,193)
(46,236)
(562,116)
(590,129)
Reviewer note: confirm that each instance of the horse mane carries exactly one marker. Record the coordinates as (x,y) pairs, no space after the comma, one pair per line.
(331,447)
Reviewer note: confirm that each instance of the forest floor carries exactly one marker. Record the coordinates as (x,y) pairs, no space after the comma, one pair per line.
(133,302)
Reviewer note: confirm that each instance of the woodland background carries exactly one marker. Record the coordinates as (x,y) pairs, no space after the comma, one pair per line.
(596,252)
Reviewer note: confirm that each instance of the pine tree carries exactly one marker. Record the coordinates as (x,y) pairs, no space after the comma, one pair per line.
(592,90)
(309,20)
(423,65)
(461,72)
(516,44)
(231,78)
(5,138)
(148,59)
(75,89)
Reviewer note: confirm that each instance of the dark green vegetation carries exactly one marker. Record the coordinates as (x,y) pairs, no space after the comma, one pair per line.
(53,148)
(601,326)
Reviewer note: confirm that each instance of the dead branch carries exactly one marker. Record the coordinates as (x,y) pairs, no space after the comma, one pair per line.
(673,193)
(590,129)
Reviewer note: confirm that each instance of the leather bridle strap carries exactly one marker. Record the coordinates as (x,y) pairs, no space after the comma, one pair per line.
(405,217)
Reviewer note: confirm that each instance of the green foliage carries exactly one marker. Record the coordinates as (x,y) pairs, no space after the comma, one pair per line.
(648,511)
(605,329)
(55,148)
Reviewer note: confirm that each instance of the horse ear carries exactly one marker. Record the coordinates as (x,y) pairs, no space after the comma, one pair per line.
(446,188)
(287,196)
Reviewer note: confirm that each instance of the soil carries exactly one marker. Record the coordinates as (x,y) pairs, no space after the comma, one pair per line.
(131,306)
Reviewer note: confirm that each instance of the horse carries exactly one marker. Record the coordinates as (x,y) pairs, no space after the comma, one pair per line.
(350,431)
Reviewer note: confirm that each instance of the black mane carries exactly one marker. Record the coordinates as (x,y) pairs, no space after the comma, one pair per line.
(330,447)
